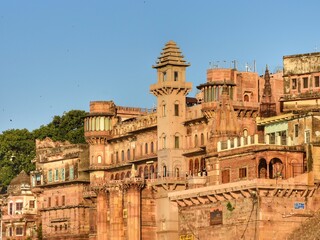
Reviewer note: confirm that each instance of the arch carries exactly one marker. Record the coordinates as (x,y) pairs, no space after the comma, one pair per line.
(202,139)
(196,140)
(116,177)
(191,167)
(99,159)
(146,148)
(128,154)
(164,170)
(262,168)
(245,132)
(246,98)
(202,164)
(196,166)
(140,173)
(177,172)
(122,175)
(146,172)
(128,174)
(276,168)
(152,172)
(122,156)
(111,177)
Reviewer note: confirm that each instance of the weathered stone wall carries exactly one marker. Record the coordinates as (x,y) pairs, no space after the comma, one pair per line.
(301,64)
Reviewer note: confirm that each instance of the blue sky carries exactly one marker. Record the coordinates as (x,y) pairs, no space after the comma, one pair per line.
(56,56)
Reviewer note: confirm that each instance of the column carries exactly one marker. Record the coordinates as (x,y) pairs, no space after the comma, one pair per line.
(134,210)
(116,214)
(102,215)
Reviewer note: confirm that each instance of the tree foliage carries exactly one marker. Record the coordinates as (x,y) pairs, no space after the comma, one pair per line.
(17,146)
(68,127)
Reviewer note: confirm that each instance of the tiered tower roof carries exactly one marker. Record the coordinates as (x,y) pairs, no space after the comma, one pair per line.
(171,55)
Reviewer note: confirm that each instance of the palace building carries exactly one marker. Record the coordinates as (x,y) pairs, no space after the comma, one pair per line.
(240,160)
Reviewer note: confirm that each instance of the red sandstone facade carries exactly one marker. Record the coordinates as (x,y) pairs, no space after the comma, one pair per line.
(239,161)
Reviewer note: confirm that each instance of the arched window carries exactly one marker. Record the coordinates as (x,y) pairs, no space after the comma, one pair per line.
(140,172)
(202,139)
(152,147)
(111,178)
(246,98)
(196,140)
(122,156)
(245,133)
(164,170)
(191,167)
(196,167)
(146,148)
(117,157)
(117,176)
(99,159)
(122,175)
(146,172)
(152,172)
(176,172)
(128,154)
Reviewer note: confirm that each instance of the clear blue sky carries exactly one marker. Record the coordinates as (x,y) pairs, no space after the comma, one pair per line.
(56,56)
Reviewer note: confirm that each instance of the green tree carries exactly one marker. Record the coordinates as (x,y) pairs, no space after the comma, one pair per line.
(17,146)
(68,127)
(17,149)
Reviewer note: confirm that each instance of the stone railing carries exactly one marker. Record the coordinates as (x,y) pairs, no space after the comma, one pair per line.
(252,140)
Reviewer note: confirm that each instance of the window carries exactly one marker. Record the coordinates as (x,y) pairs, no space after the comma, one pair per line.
(71,173)
(50,176)
(49,201)
(128,154)
(117,157)
(196,140)
(57,200)
(163,110)
(305,82)
(31,204)
(176,141)
(63,174)
(246,98)
(296,130)
(202,139)
(316,81)
(10,231)
(56,176)
(10,208)
(164,76)
(38,179)
(56,228)
(19,206)
(294,83)
(152,148)
(146,148)
(99,159)
(63,200)
(19,231)
(243,172)
(122,156)
(164,142)
(176,76)
(307,136)
(176,109)
(225,176)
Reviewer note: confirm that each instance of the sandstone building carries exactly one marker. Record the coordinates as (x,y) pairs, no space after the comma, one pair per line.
(238,161)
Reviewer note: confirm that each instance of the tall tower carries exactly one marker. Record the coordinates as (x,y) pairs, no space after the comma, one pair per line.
(268,105)
(171,90)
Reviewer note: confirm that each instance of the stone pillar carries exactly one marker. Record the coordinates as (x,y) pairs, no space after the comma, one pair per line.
(256,139)
(235,142)
(133,208)
(116,214)
(102,215)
